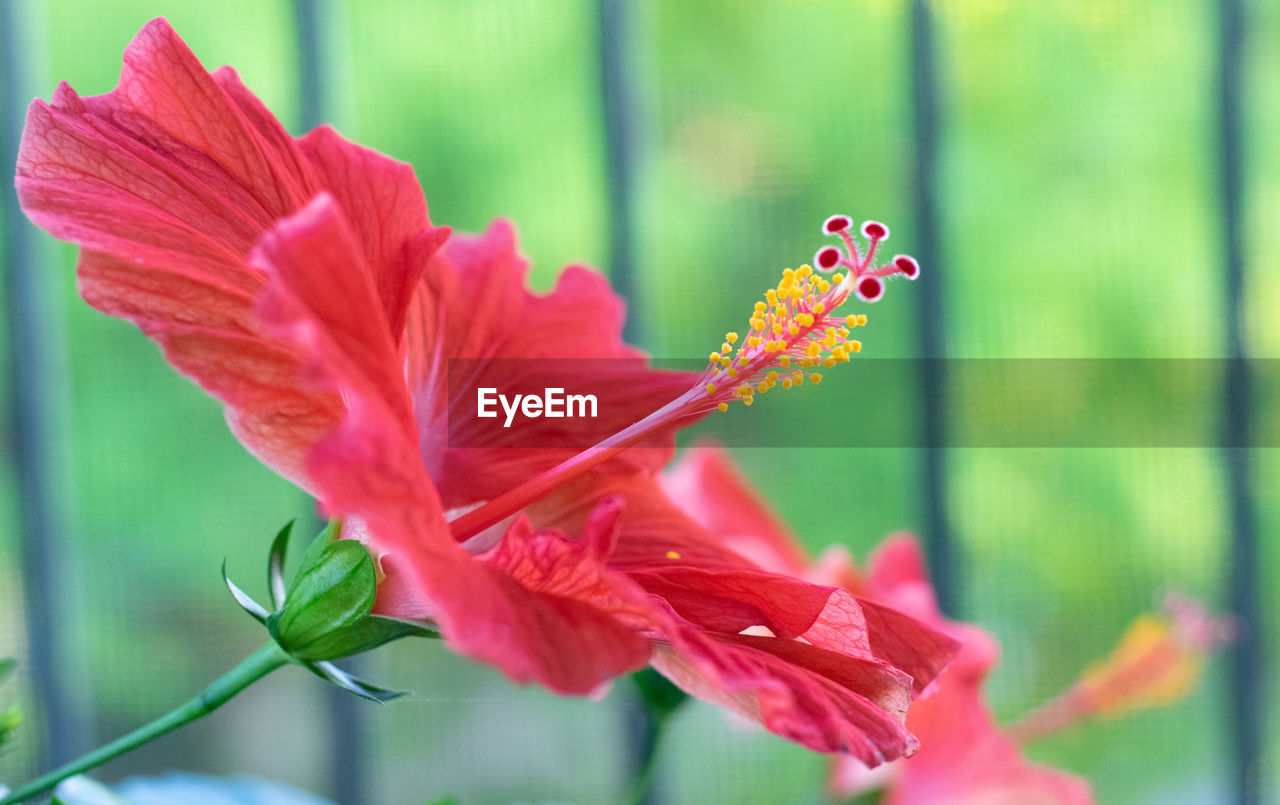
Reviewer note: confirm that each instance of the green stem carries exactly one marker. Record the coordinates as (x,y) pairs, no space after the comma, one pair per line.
(259,664)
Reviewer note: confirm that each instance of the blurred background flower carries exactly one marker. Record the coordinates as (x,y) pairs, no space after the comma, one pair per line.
(1070,204)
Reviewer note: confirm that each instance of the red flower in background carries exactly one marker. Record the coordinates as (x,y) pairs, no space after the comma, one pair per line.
(301,282)
(964,758)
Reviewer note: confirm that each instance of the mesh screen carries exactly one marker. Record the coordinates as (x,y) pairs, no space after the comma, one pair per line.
(1080,217)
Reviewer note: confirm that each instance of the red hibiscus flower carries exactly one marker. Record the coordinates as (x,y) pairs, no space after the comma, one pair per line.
(301,282)
(965,756)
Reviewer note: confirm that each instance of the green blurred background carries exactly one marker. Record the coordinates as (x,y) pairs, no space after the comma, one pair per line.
(1080,216)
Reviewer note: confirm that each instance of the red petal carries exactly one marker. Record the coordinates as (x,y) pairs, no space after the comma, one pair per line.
(474,305)
(166,168)
(167,182)
(897,564)
(731,601)
(524,613)
(707,487)
(383,202)
(821,699)
(653,528)
(919,649)
(324,298)
(541,607)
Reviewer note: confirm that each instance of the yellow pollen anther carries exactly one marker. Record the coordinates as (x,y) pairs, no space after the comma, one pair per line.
(793,328)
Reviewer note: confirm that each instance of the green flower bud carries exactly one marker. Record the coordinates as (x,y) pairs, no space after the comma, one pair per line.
(325,613)
(326,602)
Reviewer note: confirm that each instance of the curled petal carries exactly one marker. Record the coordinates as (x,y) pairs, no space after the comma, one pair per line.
(821,699)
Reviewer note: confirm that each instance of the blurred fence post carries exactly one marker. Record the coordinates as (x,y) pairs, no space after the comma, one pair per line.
(39,388)
(1247,695)
(931,322)
(618,102)
(347,745)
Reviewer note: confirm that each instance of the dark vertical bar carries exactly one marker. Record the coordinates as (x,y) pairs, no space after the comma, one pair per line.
(933,378)
(618,100)
(313,76)
(349,764)
(1248,702)
(39,389)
